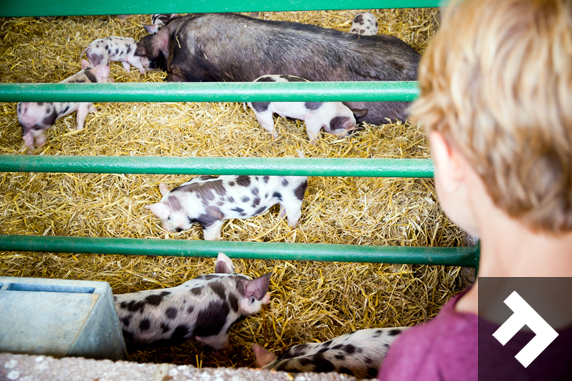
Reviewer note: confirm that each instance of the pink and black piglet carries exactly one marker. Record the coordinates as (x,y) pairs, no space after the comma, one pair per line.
(201,309)
(209,200)
(37,117)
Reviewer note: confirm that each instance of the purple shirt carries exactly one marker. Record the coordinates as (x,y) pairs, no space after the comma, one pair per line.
(457,346)
(445,348)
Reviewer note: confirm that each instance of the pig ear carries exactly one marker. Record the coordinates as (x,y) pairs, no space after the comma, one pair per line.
(84,64)
(160,209)
(223,265)
(262,356)
(151,28)
(258,287)
(359,113)
(163,189)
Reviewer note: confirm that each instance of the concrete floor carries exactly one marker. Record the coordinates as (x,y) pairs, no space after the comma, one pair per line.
(44,368)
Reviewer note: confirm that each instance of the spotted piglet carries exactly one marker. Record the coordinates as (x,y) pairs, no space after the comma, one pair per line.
(209,200)
(118,49)
(364,24)
(158,21)
(334,117)
(201,309)
(37,117)
(359,354)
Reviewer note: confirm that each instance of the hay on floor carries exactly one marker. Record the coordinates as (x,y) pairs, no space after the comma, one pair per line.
(310,301)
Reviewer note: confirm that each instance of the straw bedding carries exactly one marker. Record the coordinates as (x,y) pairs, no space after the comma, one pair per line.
(310,301)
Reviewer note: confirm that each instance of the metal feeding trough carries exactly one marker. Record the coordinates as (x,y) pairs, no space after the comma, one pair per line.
(59,318)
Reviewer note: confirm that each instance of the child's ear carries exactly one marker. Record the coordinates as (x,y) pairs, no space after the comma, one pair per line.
(448,168)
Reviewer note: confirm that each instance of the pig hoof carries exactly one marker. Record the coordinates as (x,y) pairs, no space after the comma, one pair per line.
(142,71)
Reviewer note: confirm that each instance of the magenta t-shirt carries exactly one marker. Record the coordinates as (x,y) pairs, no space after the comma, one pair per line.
(445,348)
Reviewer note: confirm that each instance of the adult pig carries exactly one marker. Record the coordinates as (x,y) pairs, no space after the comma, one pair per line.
(231,47)
(200,309)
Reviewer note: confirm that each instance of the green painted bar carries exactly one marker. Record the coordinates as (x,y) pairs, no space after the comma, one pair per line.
(447,256)
(210,92)
(218,166)
(19,8)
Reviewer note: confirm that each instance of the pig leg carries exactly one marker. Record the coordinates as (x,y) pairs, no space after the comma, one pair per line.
(40,139)
(267,122)
(136,61)
(216,342)
(292,208)
(212,232)
(126,66)
(29,140)
(313,128)
(82,111)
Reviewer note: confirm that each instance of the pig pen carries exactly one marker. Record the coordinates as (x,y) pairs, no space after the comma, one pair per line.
(310,301)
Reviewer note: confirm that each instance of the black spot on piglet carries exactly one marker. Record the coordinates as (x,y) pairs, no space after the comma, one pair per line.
(145,325)
(243,181)
(212,319)
(171,313)
(126,320)
(218,289)
(179,334)
(322,365)
(233,301)
(90,75)
(300,190)
(266,79)
(50,119)
(372,372)
(260,106)
(155,300)
(394,332)
(313,105)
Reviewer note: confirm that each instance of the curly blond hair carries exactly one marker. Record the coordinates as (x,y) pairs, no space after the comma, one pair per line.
(496,81)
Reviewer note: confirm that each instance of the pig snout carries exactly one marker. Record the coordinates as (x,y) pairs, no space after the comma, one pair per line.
(266,298)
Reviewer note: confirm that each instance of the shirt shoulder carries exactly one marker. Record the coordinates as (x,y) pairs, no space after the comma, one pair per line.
(445,348)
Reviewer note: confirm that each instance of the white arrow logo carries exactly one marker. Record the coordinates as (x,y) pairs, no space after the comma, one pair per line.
(523,315)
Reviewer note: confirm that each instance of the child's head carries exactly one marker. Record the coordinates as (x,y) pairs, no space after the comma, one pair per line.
(496,85)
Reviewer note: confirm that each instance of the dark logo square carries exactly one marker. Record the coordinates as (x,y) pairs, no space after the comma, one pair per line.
(525,329)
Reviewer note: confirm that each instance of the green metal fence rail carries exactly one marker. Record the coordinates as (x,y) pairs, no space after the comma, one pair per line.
(18,8)
(218,166)
(218,92)
(448,256)
(210,92)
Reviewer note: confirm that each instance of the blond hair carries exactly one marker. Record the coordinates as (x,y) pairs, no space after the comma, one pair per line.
(496,81)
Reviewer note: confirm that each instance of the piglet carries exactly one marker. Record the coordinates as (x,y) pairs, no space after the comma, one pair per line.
(364,24)
(334,117)
(158,21)
(358,354)
(209,200)
(119,49)
(201,309)
(36,117)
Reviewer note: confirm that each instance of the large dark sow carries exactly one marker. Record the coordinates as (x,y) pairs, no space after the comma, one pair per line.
(231,47)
